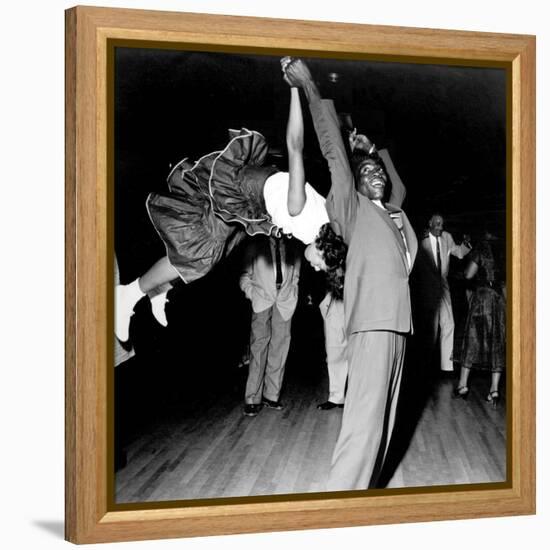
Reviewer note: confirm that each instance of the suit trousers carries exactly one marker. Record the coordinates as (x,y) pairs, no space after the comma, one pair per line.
(375,361)
(269,344)
(446,324)
(335,346)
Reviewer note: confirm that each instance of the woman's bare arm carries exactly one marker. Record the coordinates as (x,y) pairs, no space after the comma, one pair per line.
(295,146)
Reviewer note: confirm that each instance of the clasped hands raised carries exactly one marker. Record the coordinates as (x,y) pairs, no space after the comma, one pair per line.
(297,74)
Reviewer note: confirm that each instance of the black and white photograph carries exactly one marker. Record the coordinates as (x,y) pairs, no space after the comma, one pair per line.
(310,275)
(278,278)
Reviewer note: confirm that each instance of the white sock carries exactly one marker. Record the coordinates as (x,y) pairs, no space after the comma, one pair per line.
(133,292)
(157,306)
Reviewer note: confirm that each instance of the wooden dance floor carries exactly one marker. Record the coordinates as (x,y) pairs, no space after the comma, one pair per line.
(204,447)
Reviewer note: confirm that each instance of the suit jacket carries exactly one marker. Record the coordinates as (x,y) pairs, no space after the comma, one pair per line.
(426,266)
(258,278)
(431,287)
(376,291)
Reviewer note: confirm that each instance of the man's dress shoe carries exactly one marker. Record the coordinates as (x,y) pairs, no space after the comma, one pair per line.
(327,405)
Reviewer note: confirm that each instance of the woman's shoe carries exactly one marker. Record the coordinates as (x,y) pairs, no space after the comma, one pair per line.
(461,392)
(126,297)
(493,397)
(158,304)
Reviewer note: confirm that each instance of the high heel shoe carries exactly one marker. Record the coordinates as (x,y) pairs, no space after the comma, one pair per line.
(461,392)
(493,397)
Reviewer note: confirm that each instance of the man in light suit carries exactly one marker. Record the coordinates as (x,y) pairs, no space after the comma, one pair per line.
(270,282)
(382,247)
(432,287)
(332,311)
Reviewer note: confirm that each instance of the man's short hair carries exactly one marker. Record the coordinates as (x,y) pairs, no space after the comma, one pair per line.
(434,215)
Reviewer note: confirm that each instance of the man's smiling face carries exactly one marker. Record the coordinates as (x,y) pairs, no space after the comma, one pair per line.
(372,180)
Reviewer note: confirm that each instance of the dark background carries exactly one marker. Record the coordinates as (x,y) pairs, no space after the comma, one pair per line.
(445,127)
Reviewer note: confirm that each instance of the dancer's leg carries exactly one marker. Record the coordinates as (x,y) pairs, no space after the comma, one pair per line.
(260,334)
(335,347)
(464,375)
(494,395)
(495,380)
(462,389)
(127,296)
(158,274)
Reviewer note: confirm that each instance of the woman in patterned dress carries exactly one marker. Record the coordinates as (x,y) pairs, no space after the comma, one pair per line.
(484,344)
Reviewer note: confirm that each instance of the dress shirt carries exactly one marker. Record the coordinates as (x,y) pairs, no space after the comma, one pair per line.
(433,242)
(396,218)
(305,226)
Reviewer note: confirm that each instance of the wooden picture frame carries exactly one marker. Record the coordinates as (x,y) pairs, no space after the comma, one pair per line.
(89,518)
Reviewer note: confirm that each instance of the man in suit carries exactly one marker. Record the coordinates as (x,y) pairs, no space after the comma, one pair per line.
(382,247)
(433,294)
(270,282)
(332,311)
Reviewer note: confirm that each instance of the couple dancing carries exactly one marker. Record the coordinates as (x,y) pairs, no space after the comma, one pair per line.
(213,203)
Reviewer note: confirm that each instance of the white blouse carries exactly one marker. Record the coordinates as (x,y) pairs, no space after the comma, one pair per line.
(305,226)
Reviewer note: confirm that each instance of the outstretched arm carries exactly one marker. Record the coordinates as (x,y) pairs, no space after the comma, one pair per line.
(458,250)
(398,190)
(295,146)
(342,199)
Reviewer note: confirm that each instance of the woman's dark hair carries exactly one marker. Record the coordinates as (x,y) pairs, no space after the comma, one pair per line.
(334,251)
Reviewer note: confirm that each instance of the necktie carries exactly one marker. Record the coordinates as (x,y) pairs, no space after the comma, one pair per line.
(438,255)
(279,272)
(396,217)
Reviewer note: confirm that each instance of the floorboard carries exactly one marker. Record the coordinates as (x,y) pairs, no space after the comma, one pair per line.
(209,449)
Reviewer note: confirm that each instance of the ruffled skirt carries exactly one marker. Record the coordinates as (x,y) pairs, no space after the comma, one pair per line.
(213,204)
